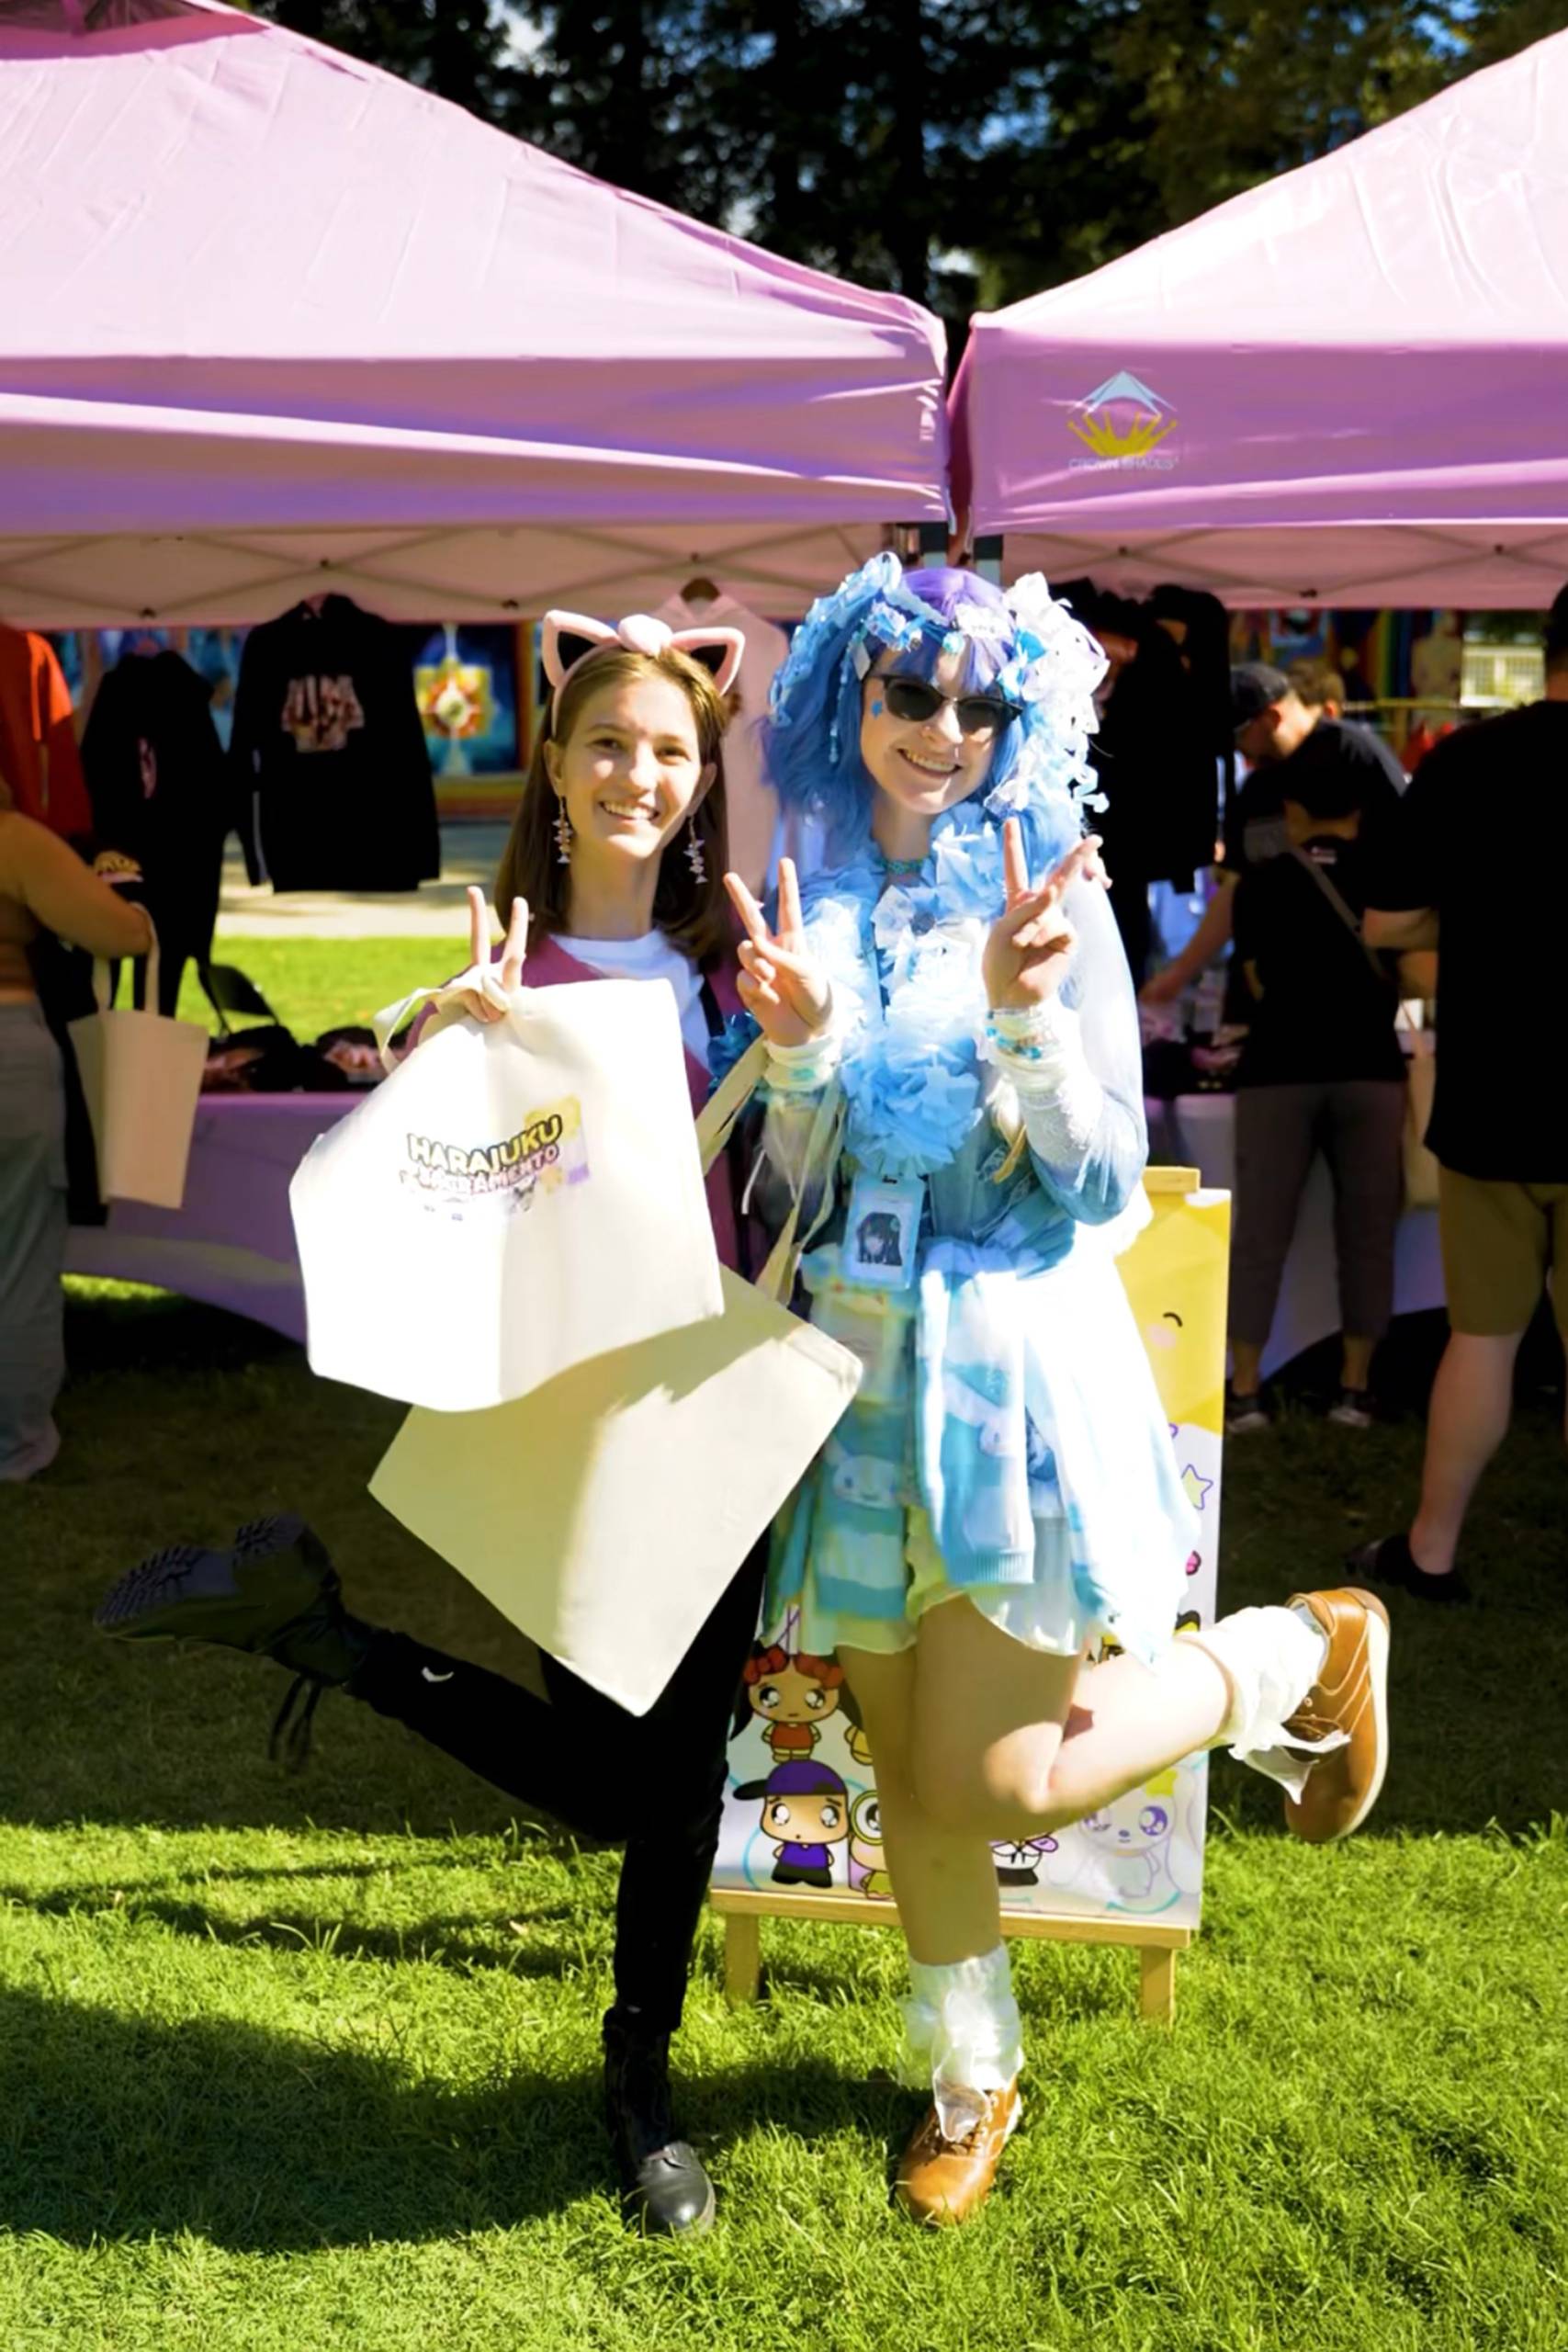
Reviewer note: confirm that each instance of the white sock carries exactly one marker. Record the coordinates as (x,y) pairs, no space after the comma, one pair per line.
(1272,1658)
(962,2034)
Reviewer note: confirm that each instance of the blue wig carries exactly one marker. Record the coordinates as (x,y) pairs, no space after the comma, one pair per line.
(1018,644)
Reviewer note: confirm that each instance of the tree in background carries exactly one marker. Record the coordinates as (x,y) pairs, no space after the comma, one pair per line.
(960,152)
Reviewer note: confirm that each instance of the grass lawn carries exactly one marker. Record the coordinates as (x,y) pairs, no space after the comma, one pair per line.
(316,984)
(299,2062)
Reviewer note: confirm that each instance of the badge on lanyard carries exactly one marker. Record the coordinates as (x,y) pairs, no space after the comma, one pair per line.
(881,1232)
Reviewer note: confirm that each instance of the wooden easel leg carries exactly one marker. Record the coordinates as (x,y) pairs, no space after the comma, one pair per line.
(742,1957)
(1156,1984)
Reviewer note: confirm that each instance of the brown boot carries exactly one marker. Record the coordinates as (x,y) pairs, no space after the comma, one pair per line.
(1350,1695)
(942,2180)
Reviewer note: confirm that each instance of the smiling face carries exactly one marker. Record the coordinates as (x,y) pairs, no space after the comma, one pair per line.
(924,765)
(631,770)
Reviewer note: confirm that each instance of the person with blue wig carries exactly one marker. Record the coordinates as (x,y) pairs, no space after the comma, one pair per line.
(948,1004)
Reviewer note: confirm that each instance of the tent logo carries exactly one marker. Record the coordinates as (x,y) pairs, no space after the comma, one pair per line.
(1122,424)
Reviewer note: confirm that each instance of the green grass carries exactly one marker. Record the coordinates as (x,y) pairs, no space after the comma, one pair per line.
(300,2063)
(316,984)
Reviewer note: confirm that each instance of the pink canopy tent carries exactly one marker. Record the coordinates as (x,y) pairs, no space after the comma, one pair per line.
(273,321)
(1348,386)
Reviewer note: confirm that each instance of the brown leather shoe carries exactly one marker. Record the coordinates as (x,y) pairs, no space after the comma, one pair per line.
(942,2181)
(1351,1696)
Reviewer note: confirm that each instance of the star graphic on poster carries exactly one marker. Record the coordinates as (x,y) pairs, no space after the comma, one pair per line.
(1198,1487)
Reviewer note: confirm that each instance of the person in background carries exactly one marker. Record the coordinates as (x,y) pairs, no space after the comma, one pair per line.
(1498,1128)
(1321,1070)
(1320,685)
(44,888)
(1288,745)
(1153,752)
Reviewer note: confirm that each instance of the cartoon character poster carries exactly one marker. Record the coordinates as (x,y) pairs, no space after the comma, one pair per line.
(801,1808)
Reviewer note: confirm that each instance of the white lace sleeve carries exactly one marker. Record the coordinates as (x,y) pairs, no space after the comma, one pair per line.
(1076,1065)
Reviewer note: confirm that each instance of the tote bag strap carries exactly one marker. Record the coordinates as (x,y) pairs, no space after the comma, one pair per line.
(102,992)
(716,1123)
(481,979)
(715,1120)
(1343,910)
(777,1278)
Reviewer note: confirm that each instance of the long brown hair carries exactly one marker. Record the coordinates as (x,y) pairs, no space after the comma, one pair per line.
(693,915)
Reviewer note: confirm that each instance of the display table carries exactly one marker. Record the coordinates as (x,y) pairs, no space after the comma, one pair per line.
(1198,1131)
(232,1243)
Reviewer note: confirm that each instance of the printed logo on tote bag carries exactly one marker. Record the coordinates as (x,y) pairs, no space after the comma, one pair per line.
(548,1151)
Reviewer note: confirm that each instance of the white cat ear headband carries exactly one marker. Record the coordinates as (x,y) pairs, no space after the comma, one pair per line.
(567,638)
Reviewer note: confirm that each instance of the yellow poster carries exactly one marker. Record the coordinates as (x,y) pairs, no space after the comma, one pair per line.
(1142,1857)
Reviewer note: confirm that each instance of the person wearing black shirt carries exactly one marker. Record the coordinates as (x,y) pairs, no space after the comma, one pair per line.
(1498,1128)
(1321,1070)
(1153,755)
(1295,752)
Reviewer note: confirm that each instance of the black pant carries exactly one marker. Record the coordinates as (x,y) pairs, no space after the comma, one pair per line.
(600,1771)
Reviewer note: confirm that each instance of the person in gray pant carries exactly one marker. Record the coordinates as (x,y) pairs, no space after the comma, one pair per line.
(1321,1071)
(44,886)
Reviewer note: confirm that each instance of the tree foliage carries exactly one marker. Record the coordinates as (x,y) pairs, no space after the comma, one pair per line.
(954,149)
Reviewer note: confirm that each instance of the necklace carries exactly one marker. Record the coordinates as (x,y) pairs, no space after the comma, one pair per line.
(900,864)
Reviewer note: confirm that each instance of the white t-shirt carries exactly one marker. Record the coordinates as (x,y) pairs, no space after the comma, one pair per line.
(651,958)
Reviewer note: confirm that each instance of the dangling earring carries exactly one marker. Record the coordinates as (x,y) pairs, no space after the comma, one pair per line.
(562,833)
(694,857)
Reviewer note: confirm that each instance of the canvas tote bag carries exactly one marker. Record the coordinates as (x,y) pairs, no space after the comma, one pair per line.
(513,1199)
(141,1076)
(604,1514)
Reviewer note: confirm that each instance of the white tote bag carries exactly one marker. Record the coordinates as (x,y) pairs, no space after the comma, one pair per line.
(513,1200)
(140,1075)
(604,1514)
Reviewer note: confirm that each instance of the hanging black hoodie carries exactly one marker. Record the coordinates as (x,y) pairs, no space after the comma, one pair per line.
(154,769)
(331,774)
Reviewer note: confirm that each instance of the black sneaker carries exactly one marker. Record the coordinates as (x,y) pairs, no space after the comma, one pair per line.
(274,1593)
(664,2189)
(1352,1410)
(1244,1415)
(1390,1561)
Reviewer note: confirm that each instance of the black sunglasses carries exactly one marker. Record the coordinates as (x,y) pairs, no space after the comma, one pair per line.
(913,700)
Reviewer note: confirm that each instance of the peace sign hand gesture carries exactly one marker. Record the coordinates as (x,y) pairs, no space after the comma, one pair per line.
(1026,954)
(482,1002)
(784,990)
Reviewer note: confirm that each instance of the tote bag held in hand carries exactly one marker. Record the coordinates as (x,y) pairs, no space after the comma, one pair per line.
(513,1200)
(141,1076)
(604,1514)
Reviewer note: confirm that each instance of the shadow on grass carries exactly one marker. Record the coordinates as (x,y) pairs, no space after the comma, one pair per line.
(123,2129)
(110,1329)
(493,1943)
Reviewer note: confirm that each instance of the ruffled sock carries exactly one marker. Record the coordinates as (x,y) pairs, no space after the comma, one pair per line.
(962,2034)
(1270,1658)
